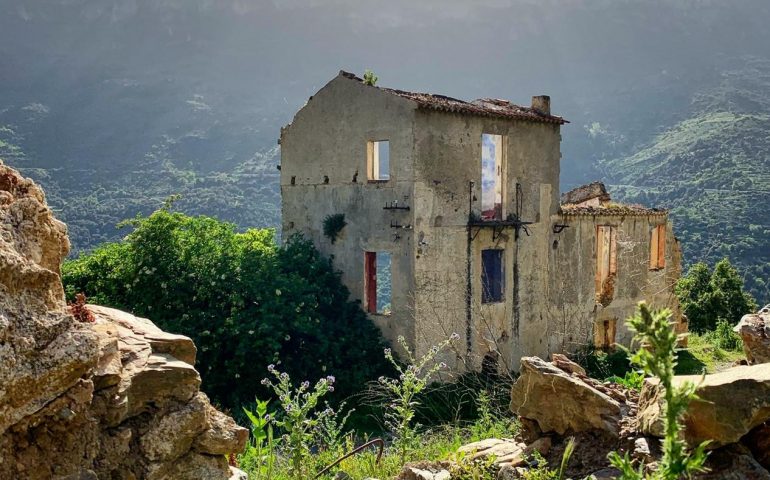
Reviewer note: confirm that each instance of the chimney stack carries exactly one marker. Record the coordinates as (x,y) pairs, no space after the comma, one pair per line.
(542,104)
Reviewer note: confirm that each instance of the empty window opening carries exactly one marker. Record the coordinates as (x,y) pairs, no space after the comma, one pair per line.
(378,160)
(604,335)
(606,263)
(491,177)
(658,247)
(492,276)
(377,279)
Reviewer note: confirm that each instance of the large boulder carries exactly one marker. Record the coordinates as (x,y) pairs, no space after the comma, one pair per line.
(113,397)
(731,403)
(563,400)
(754,329)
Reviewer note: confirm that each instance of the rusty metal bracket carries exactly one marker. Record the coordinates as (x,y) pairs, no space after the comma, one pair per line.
(356,450)
(559,227)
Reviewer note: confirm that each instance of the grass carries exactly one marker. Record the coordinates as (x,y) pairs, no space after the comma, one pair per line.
(702,356)
(440,443)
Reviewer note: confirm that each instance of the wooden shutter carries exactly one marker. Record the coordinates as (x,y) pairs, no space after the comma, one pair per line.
(658,247)
(370,281)
(661,246)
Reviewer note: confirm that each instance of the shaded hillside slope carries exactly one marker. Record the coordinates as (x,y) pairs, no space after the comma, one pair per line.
(713,170)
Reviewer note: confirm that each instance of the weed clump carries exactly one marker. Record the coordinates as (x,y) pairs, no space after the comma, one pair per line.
(656,356)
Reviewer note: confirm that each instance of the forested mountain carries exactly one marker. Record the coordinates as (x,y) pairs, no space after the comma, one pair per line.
(113,105)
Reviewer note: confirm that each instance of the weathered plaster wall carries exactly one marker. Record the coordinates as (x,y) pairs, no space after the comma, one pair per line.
(574,311)
(549,302)
(447,160)
(327,139)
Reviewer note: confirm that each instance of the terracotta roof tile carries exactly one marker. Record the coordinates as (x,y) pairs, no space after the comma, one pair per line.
(487,107)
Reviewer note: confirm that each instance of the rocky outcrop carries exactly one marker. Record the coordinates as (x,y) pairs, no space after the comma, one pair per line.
(564,400)
(115,398)
(731,403)
(754,329)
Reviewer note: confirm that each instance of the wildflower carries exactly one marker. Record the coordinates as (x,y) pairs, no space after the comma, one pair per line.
(454,336)
(271,368)
(331,379)
(442,365)
(305,385)
(387,351)
(265,381)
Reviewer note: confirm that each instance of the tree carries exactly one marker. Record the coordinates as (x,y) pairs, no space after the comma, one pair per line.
(244,301)
(707,297)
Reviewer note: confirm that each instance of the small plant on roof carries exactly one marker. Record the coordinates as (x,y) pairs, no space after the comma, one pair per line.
(656,355)
(370,78)
(333,225)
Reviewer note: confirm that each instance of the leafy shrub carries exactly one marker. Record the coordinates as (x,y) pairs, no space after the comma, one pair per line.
(244,301)
(724,337)
(706,296)
(370,78)
(632,380)
(333,225)
(656,355)
(601,364)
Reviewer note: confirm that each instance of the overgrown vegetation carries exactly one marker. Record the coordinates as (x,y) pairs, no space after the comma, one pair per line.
(333,225)
(304,427)
(709,298)
(656,356)
(370,78)
(244,301)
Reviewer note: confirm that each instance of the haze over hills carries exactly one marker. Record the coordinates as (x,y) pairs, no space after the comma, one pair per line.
(115,105)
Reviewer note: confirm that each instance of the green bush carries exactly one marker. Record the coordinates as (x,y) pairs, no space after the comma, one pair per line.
(707,296)
(601,364)
(244,301)
(724,337)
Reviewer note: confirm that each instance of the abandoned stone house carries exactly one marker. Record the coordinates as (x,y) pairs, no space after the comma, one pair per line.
(453,223)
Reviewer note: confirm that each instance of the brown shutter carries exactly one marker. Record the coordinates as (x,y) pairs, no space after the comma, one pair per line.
(654,247)
(370,281)
(661,246)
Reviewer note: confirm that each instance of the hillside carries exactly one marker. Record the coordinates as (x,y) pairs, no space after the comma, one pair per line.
(113,106)
(713,170)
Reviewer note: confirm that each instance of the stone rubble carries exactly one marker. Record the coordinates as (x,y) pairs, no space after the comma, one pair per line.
(754,329)
(116,398)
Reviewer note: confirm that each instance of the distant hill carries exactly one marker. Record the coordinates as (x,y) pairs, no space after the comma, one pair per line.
(115,105)
(713,170)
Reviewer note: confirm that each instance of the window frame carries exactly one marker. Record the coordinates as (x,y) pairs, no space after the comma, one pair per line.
(500,175)
(489,295)
(372,161)
(371,299)
(606,265)
(658,247)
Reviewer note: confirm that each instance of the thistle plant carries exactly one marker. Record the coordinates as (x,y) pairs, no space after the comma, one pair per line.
(656,356)
(260,452)
(331,434)
(299,417)
(412,379)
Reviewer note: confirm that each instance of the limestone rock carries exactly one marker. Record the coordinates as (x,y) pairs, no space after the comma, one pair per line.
(505,452)
(732,403)
(116,398)
(754,329)
(223,435)
(562,402)
(426,471)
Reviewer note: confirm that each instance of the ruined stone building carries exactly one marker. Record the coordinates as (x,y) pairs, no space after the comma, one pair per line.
(444,216)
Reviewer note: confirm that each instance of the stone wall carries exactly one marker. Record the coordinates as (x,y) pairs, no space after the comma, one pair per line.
(113,398)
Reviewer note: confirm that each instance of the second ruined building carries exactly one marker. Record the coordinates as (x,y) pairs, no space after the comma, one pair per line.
(453,223)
